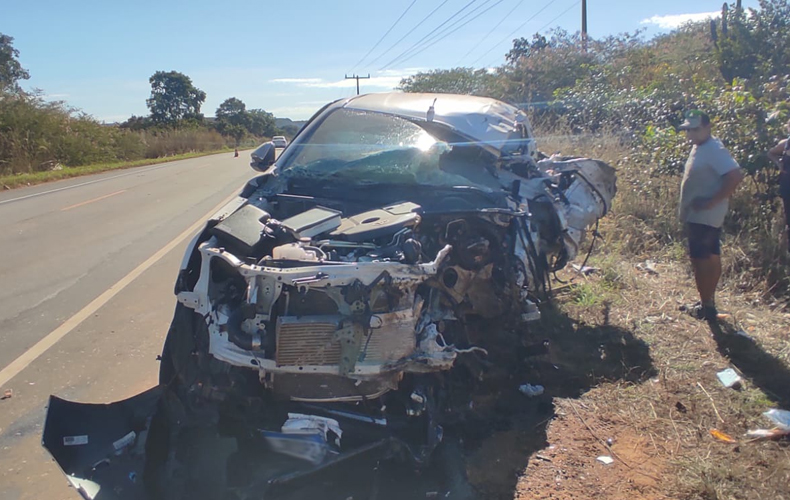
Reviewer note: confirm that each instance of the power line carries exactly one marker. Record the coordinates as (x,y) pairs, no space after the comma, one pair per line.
(426,47)
(559,16)
(409,33)
(429,34)
(515,30)
(383,36)
(421,40)
(492,30)
(436,37)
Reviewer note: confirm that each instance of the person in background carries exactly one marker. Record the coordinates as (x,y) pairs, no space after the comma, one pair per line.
(710,177)
(780,155)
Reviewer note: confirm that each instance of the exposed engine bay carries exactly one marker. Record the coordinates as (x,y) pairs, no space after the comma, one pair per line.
(322,321)
(312,298)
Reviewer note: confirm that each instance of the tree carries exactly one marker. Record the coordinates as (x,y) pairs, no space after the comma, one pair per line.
(754,44)
(174,99)
(536,69)
(232,110)
(232,119)
(235,121)
(136,123)
(261,123)
(524,48)
(451,81)
(10,69)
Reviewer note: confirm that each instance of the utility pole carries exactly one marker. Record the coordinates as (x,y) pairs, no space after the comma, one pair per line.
(584,25)
(357,77)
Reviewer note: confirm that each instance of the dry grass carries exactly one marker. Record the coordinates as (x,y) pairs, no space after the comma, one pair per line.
(662,424)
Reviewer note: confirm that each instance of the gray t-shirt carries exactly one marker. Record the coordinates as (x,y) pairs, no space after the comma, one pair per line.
(706,165)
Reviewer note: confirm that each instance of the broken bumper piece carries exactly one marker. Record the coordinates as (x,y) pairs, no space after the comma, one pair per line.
(90,444)
(135,449)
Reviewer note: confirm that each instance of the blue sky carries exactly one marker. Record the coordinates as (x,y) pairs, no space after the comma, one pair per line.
(288,58)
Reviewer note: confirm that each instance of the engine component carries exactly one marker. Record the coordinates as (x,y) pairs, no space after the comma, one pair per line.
(312,222)
(250,342)
(294,251)
(378,223)
(243,229)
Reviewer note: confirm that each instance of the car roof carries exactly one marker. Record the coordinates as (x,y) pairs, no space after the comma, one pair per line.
(490,121)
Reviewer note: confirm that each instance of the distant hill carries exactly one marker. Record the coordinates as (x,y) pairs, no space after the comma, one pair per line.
(283,122)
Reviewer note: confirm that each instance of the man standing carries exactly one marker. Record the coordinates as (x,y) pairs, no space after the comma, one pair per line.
(710,178)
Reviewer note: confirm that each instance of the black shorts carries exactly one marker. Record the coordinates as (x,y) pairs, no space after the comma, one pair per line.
(784,192)
(704,241)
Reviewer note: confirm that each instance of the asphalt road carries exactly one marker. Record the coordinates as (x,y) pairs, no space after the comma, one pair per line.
(86,294)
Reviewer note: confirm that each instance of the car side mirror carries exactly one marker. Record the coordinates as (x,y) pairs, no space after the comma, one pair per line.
(263,157)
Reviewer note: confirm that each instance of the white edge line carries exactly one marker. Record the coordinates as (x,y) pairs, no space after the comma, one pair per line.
(23,361)
(134,170)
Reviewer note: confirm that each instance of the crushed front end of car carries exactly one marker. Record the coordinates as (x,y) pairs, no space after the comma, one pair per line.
(322,314)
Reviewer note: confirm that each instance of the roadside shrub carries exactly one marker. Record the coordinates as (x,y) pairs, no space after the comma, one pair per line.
(177,141)
(36,136)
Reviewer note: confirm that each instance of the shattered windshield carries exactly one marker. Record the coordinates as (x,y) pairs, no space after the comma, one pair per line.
(363,147)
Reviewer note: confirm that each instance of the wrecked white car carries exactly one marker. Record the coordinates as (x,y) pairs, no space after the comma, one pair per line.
(321,314)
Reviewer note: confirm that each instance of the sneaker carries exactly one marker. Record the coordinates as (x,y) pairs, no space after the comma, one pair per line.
(688,308)
(701,312)
(707,313)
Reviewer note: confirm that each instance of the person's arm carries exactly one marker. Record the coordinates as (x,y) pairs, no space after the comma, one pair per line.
(730,182)
(776,152)
(731,175)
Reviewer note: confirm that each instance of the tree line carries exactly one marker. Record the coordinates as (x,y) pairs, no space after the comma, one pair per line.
(36,134)
(175,102)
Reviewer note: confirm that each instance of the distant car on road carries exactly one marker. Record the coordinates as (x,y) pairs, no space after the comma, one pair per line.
(279,141)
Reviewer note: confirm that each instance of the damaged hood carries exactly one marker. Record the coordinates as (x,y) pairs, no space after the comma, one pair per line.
(487,121)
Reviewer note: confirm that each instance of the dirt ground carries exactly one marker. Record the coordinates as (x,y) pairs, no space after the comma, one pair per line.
(629,376)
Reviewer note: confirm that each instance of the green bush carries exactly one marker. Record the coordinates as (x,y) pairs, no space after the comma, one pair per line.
(37,136)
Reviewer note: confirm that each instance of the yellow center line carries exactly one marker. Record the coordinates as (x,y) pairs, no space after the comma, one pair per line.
(93,200)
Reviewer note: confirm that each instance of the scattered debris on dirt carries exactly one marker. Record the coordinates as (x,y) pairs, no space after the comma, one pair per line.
(779,417)
(8,394)
(729,378)
(723,437)
(584,271)
(680,433)
(648,266)
(530,390)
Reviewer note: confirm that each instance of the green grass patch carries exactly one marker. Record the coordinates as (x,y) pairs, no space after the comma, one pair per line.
(19,180)
(586,295)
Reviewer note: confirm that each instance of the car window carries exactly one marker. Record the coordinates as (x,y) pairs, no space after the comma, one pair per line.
(368,147)
(349,135)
